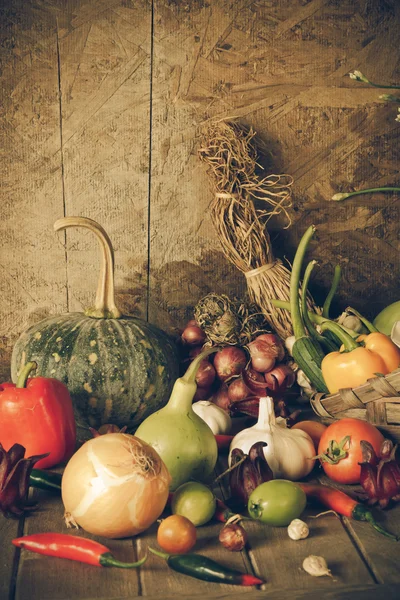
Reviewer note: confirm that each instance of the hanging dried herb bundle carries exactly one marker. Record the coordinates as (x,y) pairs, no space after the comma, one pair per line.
(228,321)
(230,151)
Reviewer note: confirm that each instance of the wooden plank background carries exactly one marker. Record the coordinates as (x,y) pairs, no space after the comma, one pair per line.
(101,105)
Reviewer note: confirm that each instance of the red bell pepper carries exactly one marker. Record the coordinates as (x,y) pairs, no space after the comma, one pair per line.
(37,413)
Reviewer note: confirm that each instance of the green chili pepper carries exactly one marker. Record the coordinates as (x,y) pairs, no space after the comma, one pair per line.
(45,480)
(201,567)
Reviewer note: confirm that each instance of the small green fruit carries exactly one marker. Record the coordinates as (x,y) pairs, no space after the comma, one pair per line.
(277,502)
(195,501)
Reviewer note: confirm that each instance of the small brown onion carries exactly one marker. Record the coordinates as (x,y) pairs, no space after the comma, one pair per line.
(195,351)
(229,361)
(192,323)
(238,390)
(202,394)
(205,374)
(114,486)
(233,537)
(193,335)
(264,351)
(276,342)
(221,398)
(280,378)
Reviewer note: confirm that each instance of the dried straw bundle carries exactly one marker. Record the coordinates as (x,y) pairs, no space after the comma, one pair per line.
(230,152)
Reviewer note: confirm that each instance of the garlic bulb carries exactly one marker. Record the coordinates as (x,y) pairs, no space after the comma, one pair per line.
(298,530)
(289,452)
(216,418)
(316,566)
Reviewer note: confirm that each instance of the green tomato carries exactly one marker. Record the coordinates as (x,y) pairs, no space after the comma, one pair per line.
(277,502)
(195,501)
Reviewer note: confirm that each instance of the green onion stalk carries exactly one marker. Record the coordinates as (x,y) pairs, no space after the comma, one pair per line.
(306,351)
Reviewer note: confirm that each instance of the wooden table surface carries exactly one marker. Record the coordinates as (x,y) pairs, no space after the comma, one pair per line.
(364,564)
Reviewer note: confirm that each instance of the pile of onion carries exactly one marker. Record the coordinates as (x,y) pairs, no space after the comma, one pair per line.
(236,376)
(114,486)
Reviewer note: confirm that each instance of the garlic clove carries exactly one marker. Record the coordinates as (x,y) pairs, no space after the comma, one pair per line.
(316,566)
(298,530)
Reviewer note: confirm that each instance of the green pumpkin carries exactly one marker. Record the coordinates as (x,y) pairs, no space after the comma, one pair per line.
(118,369)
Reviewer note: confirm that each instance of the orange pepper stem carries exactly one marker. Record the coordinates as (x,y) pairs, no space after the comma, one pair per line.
(23,376)
(347,341)
(371,328)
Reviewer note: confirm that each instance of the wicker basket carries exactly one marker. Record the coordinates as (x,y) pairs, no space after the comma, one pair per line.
(377,401)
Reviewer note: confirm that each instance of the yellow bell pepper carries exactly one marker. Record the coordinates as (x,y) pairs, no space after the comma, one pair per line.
(354,364)
(382,345)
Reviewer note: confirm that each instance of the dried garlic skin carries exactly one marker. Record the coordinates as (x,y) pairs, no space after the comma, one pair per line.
(298,530)
(316,566)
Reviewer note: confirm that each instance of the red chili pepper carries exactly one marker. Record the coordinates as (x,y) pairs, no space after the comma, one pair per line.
(73,547)
(222,512)
(223,441)
(37,413)
(343,504)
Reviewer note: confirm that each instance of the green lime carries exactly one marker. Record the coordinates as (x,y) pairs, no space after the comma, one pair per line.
(195,501)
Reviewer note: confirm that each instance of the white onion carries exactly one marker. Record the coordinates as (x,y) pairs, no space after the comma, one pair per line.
(114,486)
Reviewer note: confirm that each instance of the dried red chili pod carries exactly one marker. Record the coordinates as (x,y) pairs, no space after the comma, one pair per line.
(380,475)
(257,457)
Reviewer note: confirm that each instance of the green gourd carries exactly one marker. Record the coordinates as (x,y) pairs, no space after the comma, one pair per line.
(118,369)
(183,440)
(387,318)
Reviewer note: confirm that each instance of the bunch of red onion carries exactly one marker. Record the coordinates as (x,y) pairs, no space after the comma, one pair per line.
(236,377)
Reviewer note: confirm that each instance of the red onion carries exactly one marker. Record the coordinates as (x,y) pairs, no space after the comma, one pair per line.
(233,537)
(229,361)
(195,351)
(238,390)
(274,340)
(205,374)
(193,335)
(192,323)
(264,352)
(249,406)
(255,381)
(280,378)
(262,364)
(221,397)
(202,393)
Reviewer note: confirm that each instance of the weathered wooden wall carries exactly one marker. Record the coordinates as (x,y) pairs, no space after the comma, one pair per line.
(101,103)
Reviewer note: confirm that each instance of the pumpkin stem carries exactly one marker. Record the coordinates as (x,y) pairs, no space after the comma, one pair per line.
(104,307)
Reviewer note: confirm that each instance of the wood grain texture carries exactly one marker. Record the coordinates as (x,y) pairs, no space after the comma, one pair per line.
(282,68)
(101,107)
(105,90)
(32,275)
(59,579)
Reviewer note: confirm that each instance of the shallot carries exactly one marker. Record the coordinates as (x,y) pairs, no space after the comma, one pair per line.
(265,350)
(238,390)
(205,374)
(230,361)
(233,537)
(221,398)
(193,335)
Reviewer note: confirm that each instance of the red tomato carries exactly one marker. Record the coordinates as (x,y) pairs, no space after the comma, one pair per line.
(347,469)
(176,534)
